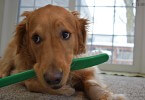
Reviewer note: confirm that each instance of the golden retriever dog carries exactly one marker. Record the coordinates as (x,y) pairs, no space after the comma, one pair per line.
(47,40)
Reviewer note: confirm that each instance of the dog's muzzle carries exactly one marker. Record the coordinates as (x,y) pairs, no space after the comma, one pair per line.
(53,78)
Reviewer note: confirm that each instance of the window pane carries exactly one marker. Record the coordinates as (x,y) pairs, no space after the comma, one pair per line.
(90,29)
(27,3)
(103,20)
(124,21)
(89,39)
(63,3)
(104,2)
(131,3)
(87,12)
(123,41)
(85,2)
(123,55)
(123,50)
(100,40)
(41,3)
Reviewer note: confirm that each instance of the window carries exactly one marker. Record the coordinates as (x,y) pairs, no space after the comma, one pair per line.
(112,29)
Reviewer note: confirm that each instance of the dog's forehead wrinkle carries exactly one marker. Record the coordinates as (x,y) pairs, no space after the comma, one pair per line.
(49,24)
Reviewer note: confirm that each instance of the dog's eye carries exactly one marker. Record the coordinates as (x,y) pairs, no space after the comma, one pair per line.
(65,35)
(36,39)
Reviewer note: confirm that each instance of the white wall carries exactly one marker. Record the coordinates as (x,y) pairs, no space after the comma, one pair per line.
(10,8)
(142,57)
(1,18)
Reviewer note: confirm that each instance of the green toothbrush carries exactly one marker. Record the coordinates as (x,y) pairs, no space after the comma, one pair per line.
(77,64)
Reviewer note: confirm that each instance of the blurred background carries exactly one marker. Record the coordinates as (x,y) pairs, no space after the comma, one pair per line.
(116,28)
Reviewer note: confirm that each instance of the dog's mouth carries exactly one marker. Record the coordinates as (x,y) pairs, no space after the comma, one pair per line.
(52,77)
(56,86)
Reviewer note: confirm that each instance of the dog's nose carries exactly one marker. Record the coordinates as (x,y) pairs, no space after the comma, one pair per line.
(53,78)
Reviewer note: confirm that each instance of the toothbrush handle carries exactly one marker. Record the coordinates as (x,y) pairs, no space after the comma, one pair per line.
(15,78)
(86,62)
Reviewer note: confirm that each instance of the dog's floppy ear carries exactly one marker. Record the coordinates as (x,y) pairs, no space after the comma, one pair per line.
(82,33)
(21,30)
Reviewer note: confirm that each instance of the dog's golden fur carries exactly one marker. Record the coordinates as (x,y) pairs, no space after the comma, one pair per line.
(53,53)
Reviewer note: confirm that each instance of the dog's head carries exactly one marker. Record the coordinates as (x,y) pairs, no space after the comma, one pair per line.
(51,36)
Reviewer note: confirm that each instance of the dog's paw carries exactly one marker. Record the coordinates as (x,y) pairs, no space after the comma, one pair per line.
(80,96)
(5,69)
(117,97)
(4,73)
(67,90)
